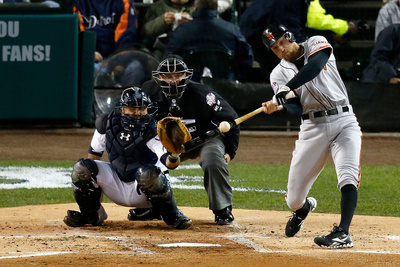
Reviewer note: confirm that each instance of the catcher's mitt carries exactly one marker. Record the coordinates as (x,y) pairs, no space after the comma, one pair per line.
(173,134)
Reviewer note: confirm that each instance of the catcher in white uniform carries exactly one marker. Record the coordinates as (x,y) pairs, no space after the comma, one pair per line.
(136,174)
(328,126)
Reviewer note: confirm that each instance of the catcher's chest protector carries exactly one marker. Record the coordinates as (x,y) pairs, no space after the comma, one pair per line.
(127,150)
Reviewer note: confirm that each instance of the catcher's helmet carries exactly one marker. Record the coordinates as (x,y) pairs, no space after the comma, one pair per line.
(275,31)
(134,97)
(173,88)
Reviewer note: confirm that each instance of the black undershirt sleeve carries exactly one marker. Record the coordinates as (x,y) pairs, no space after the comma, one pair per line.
(293,107)
(309,71)
(306,73)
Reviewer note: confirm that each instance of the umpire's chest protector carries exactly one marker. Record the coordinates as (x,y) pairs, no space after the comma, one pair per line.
(127,150)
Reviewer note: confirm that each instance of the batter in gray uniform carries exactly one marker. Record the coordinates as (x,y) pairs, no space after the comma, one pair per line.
(328,126)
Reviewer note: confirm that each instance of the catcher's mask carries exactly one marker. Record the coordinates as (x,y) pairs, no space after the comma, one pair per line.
(275,31)
(134,97)
(172,75)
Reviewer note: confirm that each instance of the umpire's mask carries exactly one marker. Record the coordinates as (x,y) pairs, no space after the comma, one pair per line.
(172,75)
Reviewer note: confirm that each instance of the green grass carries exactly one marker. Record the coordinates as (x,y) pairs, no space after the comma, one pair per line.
(10,181)
(61,164)
(378,194)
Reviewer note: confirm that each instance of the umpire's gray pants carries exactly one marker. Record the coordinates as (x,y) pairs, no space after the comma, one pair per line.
(216,172)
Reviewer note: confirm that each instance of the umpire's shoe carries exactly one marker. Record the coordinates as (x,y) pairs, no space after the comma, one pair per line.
(143,214)
(224,216)
(296,221)
(336,239)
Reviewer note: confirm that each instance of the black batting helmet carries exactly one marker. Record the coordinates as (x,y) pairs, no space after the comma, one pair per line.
(275,31)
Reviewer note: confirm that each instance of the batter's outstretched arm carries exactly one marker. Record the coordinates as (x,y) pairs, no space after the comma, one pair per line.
(315,64)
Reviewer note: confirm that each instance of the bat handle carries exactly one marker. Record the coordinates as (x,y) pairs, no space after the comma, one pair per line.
(247,116)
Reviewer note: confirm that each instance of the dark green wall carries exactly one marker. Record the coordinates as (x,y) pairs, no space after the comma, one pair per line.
(38,67)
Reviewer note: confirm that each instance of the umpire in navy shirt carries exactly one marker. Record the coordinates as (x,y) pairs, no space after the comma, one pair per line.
(202,110)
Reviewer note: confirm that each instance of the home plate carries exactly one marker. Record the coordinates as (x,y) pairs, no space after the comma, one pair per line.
(176,245)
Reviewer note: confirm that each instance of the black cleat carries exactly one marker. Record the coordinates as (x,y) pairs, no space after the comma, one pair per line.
(336,239)
(182,222)
(76,219)
(224,216)
(143,214)
(295,222)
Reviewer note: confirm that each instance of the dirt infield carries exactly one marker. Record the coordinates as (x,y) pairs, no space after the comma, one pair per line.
(36,235)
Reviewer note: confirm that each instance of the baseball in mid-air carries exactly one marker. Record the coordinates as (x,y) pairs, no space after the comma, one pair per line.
(224,126)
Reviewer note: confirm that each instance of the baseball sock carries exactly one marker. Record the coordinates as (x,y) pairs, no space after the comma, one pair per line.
(303,211)
(348,206)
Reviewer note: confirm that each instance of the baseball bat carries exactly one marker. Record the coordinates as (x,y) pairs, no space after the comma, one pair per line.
(201,140)
(225,126)
(247,116)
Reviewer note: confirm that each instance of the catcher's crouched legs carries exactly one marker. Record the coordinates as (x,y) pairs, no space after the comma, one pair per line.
(216,180)
(155,185)
(87,195)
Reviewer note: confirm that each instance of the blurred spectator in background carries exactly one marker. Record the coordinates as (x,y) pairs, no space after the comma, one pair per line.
(385,58)
(113,21)
(224,5)
(333,29)
(208,31)
(47,3)
(260,14)
(226,10)
(317,19)
(160,19)
(389,14)
(301,17)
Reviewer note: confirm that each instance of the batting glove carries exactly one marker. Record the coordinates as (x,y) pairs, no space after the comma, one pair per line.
(280,97)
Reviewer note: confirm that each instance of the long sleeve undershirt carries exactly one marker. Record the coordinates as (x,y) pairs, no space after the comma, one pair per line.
(306,73)
(309,71)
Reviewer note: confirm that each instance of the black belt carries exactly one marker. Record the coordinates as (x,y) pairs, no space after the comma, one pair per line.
(324,113)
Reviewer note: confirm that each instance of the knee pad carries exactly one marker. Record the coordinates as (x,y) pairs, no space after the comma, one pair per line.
(83,170)
(151,180)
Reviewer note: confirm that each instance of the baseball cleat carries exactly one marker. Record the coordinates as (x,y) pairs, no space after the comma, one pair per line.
(296,222)
(143,214)
(224,216)
(181,221)
(336,239)
(76,219)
